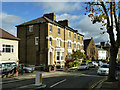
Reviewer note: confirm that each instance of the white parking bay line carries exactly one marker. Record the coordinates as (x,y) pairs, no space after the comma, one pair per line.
(57,83)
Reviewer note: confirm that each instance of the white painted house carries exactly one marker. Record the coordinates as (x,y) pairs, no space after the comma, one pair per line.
(8,47)
(102,54)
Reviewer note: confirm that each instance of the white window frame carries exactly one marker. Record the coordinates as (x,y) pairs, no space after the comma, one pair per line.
(58,55)
(58,43)
(50,42)
(62,55)
(36,40)
(31,28)
(5,47)
(50,27)
(69,44)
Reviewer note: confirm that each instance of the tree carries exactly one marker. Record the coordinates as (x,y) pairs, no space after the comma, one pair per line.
(107,13)
(78,55)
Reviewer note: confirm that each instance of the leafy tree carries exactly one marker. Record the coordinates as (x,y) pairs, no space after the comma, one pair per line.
(78,55)
(107,13)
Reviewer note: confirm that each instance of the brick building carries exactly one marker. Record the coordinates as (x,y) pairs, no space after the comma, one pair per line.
(90,49)
(46,41)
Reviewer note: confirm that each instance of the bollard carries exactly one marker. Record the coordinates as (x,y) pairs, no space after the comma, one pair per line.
(38,79)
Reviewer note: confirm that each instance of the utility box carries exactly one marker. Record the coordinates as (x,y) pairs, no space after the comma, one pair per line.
(38,79)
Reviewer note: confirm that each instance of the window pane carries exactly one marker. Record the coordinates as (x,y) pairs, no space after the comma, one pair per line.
(31,28)
(3,50)
(7,45)
(58,30)
(12,50)
(50,43)
(50,28)
(7,49)
(58,55)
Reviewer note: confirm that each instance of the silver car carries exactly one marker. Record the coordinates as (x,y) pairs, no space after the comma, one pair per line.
(83,66)
(26,68)
(103,70)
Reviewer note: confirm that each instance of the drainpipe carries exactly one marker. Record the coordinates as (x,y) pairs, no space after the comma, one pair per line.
(26,47)
(38,60)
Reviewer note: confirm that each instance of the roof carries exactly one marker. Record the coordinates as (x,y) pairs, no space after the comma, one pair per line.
(86,43)
(7,35)
(101,49)
(44,19)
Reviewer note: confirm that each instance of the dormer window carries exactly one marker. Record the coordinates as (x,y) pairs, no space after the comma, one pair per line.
(31,28)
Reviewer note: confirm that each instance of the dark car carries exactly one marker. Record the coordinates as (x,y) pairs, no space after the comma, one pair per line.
(26,68)
(118,66)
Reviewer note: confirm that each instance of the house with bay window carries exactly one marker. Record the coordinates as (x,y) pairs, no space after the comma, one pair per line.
(47,41)
(8,47)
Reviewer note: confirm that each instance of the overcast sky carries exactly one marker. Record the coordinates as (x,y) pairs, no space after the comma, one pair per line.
(14,13)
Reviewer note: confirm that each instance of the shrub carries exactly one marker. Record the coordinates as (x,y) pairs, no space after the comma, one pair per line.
(70,64)
(68,61)
(76,63)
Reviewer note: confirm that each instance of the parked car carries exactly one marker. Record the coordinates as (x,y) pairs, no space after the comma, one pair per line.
(7,67)
(83,66)
(90,64)
(118,66)
(103,70)
(100,63)
(26,68)
(95,63)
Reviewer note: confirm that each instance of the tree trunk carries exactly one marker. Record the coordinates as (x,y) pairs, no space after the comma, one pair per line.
(112,63)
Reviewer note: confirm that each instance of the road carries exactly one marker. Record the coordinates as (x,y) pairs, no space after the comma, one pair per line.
(77,79)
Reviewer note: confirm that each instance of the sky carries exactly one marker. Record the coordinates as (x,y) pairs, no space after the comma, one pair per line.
(15,13)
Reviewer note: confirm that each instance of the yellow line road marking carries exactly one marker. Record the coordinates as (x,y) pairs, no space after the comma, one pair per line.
(100,81)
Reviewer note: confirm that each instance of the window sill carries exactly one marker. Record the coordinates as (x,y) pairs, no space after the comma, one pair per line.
(59,60)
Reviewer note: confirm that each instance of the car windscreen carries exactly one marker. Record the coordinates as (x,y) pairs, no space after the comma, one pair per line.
(105,66)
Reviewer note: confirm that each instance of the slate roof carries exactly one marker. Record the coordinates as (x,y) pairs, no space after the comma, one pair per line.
(6,35)
(44,19)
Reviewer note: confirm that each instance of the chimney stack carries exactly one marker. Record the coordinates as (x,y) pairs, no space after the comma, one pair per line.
(63,22)
(51,16)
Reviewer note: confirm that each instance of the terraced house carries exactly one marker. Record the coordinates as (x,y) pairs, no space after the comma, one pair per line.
(47,41)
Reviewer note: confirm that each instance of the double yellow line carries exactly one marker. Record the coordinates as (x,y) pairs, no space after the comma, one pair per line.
(100,81)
